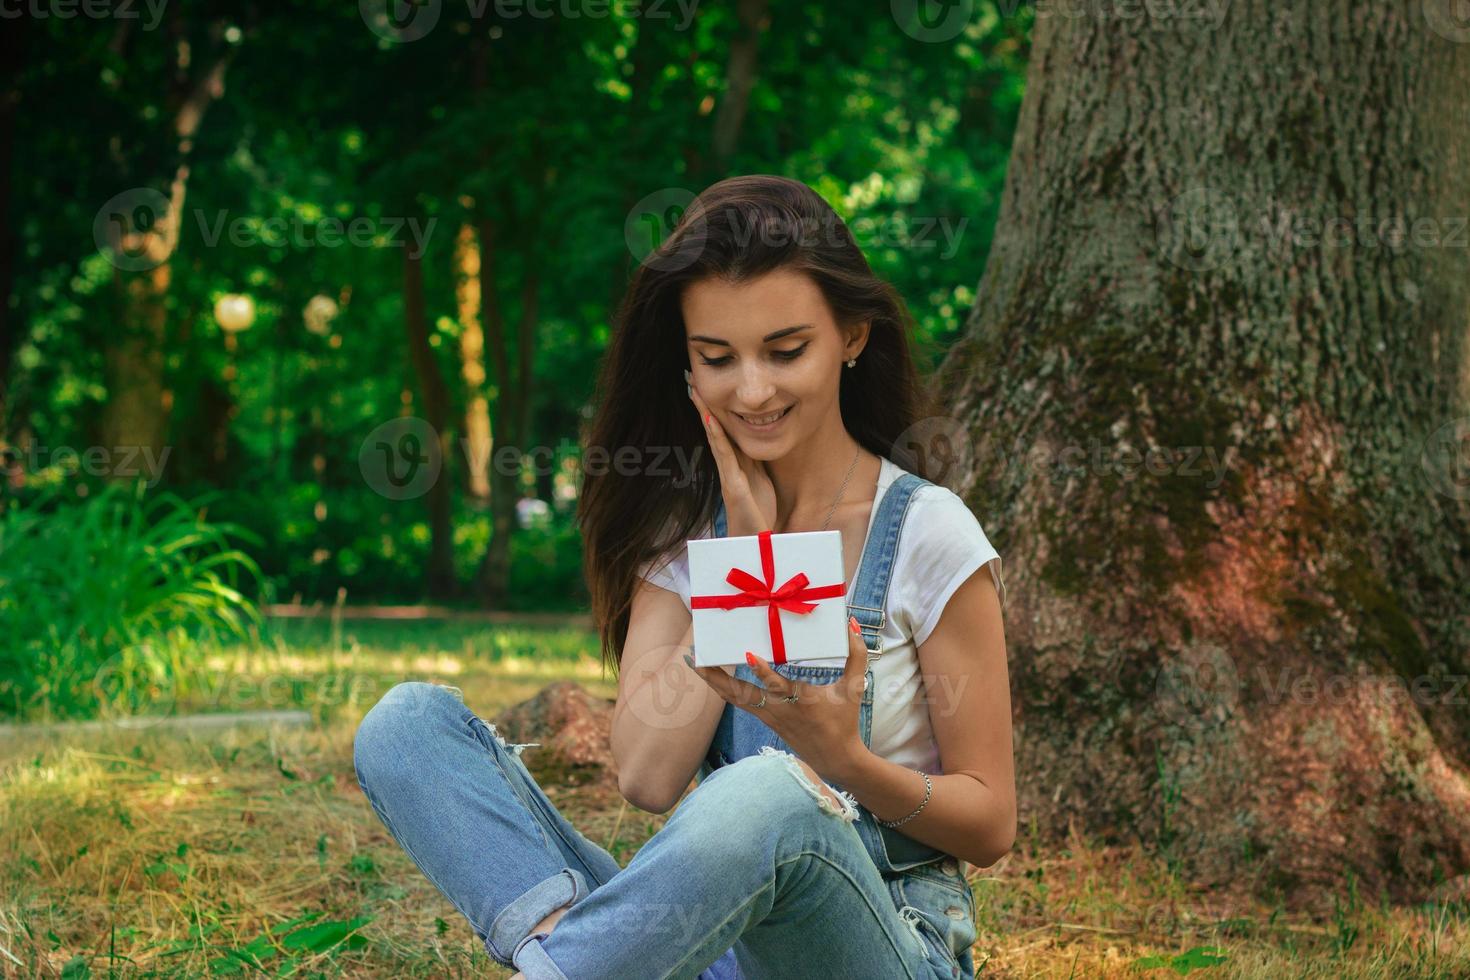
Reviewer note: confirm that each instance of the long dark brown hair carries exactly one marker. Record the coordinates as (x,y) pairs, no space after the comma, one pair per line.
(738,229)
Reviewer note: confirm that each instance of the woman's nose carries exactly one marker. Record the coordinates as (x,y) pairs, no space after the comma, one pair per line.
(755,388)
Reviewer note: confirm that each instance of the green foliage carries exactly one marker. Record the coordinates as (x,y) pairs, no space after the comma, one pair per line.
(1197,958)
(103,598)
(462,128)
(294,942)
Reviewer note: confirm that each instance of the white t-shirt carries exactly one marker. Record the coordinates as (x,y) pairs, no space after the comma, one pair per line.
(941,546)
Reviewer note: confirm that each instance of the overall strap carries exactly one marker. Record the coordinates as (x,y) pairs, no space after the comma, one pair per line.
(867,600)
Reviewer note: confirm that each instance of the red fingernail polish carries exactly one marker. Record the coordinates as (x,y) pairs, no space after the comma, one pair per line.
(706,419)
(852,624)
(750,658)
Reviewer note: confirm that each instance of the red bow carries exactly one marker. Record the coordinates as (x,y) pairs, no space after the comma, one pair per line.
(755,592)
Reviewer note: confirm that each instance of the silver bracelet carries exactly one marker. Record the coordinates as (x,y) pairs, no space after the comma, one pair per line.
(928,788)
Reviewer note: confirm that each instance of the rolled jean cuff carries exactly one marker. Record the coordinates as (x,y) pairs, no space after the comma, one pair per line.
(512,927)
(531,959)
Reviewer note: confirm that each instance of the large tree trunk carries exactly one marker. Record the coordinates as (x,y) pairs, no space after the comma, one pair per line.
(1224,664)
(740,76)
(514,381)
(439,578)
(143,232)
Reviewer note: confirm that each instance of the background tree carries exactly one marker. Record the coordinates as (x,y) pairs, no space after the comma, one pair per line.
(1238,230)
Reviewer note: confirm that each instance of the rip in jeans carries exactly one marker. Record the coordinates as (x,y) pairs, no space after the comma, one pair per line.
(516,748)
(848,811)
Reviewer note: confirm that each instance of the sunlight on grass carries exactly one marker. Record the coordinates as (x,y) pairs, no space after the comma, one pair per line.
(252,850)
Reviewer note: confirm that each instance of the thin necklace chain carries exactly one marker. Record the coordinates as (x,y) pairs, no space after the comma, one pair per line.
(843,489)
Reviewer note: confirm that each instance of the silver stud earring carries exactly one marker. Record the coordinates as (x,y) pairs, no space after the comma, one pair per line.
(852,362)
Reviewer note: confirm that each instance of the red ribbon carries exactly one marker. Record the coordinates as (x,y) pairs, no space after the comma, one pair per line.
(758,592)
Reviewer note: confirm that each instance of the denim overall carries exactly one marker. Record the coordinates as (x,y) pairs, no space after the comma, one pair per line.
(919,877)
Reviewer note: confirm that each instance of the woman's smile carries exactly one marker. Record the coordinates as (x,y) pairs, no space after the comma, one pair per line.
(764,423)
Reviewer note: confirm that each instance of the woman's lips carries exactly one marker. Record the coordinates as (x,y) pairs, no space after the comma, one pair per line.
(768,427)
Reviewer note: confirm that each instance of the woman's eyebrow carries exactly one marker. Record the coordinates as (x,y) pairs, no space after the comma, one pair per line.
(774,335)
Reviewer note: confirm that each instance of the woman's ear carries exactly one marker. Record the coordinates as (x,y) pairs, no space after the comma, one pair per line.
(856,338)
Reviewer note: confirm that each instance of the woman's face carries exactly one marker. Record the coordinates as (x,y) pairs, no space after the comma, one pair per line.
(764,347)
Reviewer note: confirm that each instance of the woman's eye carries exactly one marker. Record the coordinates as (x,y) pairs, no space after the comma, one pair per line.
(785,355)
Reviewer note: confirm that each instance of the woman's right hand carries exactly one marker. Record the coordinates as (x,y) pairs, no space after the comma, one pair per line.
(750,497)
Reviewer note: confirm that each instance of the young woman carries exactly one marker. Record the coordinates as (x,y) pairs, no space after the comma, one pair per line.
(838,801)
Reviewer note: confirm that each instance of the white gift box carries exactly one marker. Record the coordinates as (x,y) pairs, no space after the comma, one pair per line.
(790,593)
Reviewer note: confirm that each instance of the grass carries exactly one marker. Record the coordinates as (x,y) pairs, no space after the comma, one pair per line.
(253,851)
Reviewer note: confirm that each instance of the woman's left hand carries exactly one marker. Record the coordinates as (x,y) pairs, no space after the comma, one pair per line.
(822,726)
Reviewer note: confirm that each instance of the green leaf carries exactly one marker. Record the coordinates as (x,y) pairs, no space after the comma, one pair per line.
(1198,958)
(325,935)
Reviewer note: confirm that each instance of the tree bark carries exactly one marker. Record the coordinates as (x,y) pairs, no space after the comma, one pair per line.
(514,377)
(138,404)
(439,578)
(1196,254)
(740,76)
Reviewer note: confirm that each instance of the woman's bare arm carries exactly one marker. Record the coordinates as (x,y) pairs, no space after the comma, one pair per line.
(665,715)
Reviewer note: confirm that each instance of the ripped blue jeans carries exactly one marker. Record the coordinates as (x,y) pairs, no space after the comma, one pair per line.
(756,874)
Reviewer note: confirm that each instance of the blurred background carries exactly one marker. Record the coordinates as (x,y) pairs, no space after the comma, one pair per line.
(301,271)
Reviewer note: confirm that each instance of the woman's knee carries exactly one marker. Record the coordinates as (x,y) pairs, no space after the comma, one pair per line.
(404,719)
(776,784)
